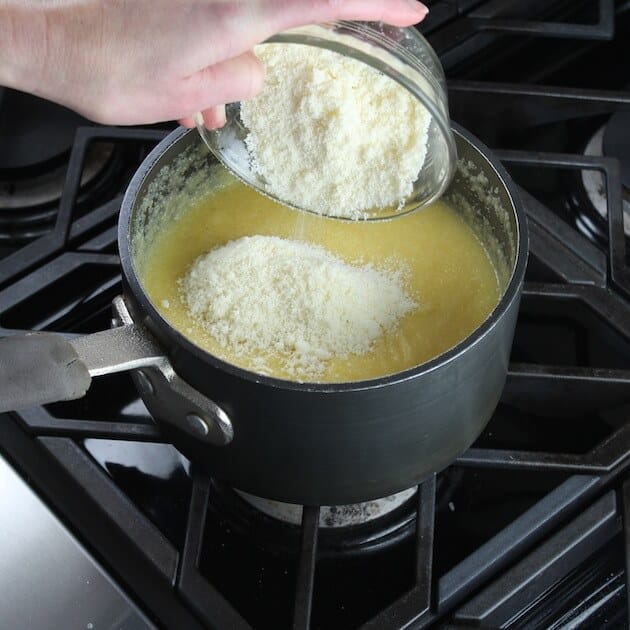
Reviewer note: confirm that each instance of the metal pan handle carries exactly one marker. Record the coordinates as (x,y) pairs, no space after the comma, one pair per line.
(43,368)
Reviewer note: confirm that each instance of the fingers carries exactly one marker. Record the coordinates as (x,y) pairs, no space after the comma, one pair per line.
(291,13)
(267,17)
(213,118)
(188,121)
(241,24)
(232,80)
(238,25)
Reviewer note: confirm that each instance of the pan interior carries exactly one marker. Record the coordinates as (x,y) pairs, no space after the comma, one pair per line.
(183,179)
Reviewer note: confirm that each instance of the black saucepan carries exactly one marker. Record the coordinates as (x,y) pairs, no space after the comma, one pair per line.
(318,444)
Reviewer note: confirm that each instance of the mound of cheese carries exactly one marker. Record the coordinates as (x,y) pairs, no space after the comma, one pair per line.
(264,296)
(333,135)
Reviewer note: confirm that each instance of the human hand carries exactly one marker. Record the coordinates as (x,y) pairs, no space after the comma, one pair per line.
(131,62)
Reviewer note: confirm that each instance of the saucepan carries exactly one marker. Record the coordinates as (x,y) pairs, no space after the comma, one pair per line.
(306,443)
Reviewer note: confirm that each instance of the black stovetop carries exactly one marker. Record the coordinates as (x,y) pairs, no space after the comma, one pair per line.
(525,530)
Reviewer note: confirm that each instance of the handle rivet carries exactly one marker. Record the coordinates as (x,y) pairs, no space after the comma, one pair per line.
(197,424)
(144,383)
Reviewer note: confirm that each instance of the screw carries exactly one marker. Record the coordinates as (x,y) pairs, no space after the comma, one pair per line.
(144,383)
(197,424)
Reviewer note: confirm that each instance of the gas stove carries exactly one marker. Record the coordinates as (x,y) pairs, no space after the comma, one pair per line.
(530,528)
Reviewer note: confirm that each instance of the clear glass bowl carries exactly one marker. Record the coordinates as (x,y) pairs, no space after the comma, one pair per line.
(400,53)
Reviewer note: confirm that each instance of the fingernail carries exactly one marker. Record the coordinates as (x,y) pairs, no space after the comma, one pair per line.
(214,118)
(221,117)
(421,9)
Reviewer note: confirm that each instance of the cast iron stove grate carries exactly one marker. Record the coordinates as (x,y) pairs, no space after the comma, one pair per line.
(517,533)
(583,382)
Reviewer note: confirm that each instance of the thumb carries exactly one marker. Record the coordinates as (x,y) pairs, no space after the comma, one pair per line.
(232,80)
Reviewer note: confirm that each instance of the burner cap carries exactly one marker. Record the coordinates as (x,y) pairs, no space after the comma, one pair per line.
(617,143)
(34,132)
(338,516)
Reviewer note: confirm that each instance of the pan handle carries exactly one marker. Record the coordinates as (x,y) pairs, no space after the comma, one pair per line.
(42,368)
(39,368)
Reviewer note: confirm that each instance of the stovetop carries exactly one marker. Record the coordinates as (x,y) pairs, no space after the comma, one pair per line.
(530,528)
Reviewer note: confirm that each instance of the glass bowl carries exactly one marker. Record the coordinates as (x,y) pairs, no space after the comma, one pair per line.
(400,53)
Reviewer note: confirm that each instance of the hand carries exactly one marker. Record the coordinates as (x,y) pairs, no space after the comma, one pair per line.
(131,62)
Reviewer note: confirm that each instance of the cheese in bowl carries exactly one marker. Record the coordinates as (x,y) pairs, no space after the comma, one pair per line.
(308,298)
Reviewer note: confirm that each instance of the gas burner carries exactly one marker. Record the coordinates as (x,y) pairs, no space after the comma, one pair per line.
(36,134)
(332,516)
(595,185)
(29,201)
(37,138)
(37,190)
(348,531)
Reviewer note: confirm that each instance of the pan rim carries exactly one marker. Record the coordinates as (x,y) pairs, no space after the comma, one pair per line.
(511,293)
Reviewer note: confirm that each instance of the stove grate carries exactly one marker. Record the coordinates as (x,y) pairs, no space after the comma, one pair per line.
(598,386)
(574,508)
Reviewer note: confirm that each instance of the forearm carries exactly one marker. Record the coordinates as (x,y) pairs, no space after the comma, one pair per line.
(7,45)
(22,45)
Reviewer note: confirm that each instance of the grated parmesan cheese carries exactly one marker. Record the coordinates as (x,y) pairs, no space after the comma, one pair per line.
(264,295)
(332,134)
